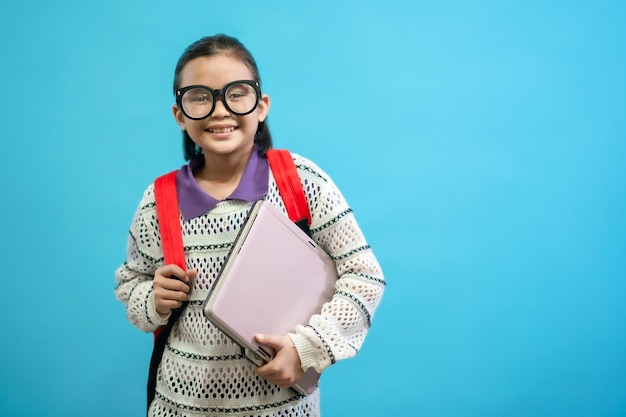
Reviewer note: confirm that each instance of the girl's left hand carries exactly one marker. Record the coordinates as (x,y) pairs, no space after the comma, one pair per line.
(285,369)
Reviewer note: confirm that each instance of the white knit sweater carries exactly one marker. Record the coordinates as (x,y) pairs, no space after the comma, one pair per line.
(202,372)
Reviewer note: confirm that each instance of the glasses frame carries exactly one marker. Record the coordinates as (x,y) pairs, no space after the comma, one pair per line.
(218,94)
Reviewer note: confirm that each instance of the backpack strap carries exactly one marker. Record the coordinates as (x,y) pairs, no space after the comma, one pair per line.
(166,201)
(290,187)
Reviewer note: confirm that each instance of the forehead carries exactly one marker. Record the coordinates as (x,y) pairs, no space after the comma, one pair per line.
(214,71)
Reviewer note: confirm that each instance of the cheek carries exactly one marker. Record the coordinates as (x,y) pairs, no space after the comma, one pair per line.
(193,128)
(251,122)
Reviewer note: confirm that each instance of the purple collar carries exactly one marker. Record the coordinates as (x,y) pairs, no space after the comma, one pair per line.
(194,202)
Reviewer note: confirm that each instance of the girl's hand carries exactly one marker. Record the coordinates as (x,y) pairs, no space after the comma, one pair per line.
(285,369)
(169,293)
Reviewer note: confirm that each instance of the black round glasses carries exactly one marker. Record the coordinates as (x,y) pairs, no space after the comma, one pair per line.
(239,97)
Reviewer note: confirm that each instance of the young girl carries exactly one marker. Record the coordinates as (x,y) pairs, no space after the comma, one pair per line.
(222,114)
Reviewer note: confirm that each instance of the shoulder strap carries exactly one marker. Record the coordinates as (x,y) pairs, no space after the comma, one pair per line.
(289,187)
(166,200)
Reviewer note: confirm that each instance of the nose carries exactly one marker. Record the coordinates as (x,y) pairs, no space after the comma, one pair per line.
(220,109)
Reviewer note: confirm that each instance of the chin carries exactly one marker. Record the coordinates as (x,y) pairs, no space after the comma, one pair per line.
(227,147)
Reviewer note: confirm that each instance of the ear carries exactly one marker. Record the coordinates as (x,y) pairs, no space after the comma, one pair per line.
(264,107)
(179,116)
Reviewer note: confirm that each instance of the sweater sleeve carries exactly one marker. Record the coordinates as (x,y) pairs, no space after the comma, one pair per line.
(339,331)
(143,256)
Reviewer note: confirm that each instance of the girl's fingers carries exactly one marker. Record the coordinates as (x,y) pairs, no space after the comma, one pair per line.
(170,284)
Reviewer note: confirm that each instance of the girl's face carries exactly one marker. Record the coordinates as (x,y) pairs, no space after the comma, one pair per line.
(222,133)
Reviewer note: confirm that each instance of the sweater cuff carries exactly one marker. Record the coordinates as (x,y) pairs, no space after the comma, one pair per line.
(306,352)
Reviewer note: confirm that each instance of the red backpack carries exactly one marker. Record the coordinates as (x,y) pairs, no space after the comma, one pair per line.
(292,194)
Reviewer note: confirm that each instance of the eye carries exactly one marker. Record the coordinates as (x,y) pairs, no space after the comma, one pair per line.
(200,98)
(239,91)
(236,95)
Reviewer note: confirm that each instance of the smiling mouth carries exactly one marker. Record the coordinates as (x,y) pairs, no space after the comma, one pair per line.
(222,129)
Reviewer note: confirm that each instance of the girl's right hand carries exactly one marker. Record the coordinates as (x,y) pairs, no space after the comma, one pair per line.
(169,292)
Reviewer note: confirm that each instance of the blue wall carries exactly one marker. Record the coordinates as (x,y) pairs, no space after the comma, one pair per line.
(482,146)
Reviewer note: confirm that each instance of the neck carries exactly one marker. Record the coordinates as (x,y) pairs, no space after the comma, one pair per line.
(220,174)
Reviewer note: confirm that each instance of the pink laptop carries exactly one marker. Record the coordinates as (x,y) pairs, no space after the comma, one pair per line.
(274,278)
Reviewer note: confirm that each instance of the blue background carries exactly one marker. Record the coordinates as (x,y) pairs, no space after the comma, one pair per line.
(481,145)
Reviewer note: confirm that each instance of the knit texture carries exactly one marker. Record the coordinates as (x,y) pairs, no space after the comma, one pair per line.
(203,371)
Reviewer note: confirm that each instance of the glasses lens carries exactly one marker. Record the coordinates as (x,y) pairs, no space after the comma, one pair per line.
(241,98)
(197,102)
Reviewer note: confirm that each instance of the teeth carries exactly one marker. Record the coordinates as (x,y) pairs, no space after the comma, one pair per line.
(222,130)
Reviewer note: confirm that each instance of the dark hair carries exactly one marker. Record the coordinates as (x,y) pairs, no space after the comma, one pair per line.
(213,45)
